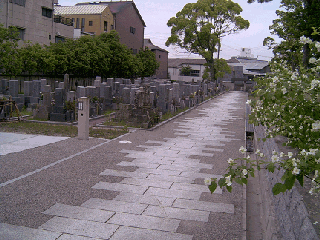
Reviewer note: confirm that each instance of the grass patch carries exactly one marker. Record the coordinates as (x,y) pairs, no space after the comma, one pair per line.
(113,122)
(57,130)
(169,115)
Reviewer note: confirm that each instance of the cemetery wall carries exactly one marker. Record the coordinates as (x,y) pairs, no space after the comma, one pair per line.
(284,216)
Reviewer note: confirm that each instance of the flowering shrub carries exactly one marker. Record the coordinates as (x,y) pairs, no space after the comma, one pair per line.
(287,102)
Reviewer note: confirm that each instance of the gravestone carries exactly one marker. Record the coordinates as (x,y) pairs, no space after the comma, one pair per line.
(66,82)
(36,88)
(61,85)
(5,86)
(126,95)
(81,91)
(83,118)
(14,88)
(43,83)
(97,83)
(28,88)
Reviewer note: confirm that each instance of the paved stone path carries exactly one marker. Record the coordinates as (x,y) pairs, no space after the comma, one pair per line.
(144,185)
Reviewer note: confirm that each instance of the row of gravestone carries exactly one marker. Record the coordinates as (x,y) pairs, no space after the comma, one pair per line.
(57,102)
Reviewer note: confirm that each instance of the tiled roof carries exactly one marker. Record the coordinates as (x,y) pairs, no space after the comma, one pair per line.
(115,6)
(150,46)
(79,9)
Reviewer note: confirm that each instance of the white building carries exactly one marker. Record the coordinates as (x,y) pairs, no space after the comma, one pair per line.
(176,64)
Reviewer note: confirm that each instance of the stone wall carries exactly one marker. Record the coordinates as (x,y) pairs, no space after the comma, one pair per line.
(284,216)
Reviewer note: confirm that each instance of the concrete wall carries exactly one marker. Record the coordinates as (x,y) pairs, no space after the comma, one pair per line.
(125,19)
(97,21)
(175,73)
(162,58)
(37,28)
(284,216)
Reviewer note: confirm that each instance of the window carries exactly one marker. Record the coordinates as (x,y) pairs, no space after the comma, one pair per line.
(90,23)
(105,26)
(59,39)
(21,33)
(46,12)
(49,37)
(83,20)
(195,73)
(159,56)
(132,30)
(112,28)
(78,23)
(19,2)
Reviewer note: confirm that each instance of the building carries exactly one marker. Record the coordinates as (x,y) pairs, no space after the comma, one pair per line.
(87,19)
(34,20)
(161,57)
(176,64)
(127,21)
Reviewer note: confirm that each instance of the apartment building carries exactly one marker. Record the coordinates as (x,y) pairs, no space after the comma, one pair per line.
(34,20)
(161,57)
(127,21)
(87,19)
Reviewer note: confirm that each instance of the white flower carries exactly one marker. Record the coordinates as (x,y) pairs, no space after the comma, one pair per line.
(281,154)
(312,60)
(230,160)
(274,152)
(274,158)
(296,171)
(305,40)
(257,152)
(290,154)
(316,125)
(313,151)
(284,90)
(248,102)
(244,172)
(228,180)
(242,149)
(248,157)
(207,181)
(261,155)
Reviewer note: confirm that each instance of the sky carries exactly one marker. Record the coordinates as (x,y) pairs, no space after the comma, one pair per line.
(156,14)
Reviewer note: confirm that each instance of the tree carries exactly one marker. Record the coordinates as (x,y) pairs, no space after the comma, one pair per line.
(148,63)
(185,71)
(10,61)
(199,27)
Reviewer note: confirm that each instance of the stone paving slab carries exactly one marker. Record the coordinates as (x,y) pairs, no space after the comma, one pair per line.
(130,233)
(120,187)
(147,182)
(75,237)
(173,193)
(189,187)
(152,200)
(158,171)
(12,232)
(147,222)
(139,164)
(62,210)
(177,213)
(171,178)
(115,206)
(80,227)
(118,173)
(205,206)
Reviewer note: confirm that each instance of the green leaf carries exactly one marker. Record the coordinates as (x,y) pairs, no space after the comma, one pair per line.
(229,188)
(278,188)
(213,186)
(264,139)
(289,182)
(244,180)
(270,167)
(222,182)
(238,180)
(300,179)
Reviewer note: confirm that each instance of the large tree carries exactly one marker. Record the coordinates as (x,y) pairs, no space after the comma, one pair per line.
(199,27)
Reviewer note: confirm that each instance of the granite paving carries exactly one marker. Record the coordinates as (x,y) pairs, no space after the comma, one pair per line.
(143,185)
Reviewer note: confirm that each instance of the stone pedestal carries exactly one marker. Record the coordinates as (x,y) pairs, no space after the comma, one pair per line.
(83,118)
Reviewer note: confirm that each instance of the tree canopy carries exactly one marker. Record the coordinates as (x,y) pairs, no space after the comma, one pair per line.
(199,27)
(87,56)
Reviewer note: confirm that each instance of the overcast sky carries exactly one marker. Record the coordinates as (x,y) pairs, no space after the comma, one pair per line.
(156,14)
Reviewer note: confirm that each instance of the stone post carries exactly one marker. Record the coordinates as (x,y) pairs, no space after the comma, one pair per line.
(83,118)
